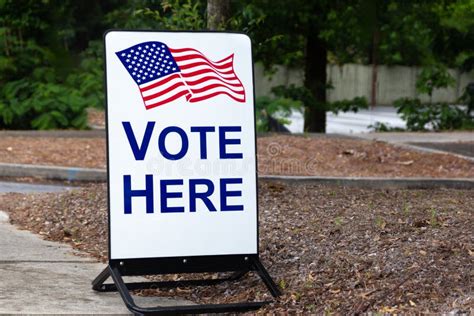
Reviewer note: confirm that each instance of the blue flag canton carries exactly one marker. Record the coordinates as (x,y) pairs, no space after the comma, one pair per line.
(148,61)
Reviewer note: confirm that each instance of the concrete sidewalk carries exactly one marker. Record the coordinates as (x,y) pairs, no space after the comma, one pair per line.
(420,137)
(44,277)
(459,144)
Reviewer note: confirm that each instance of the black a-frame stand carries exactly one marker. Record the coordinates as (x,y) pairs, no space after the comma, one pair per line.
(236,265)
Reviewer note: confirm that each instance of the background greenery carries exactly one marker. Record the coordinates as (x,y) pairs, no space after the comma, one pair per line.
(51,51)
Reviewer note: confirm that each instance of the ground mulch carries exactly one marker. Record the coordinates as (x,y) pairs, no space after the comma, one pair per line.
(56,151)
(330,249)
(290,155)
(277,155)
(96,118)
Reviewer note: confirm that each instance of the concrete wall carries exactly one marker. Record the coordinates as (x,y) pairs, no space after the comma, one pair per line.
(352,80)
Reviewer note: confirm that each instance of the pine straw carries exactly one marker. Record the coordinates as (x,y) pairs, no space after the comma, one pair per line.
(277,155)
(330,249)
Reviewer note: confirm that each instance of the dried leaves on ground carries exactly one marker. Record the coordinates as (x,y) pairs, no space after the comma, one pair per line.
(59,151)
(330,249)
(277,155)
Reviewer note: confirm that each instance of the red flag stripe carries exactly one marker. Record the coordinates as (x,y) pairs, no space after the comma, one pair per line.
(159,83)
(225,75)
(214,85)
(207,96)
(176,53)
(203,63)
(206,78)
(162,92)
(172,98)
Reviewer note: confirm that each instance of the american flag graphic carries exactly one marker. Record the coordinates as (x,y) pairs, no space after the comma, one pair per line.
(164,74)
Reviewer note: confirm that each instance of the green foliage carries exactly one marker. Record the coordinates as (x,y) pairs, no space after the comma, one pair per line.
(175,15)
(434,77)
(382,127)
(353,105)
(289,98)
(51,60)
(438,116)
(277,107)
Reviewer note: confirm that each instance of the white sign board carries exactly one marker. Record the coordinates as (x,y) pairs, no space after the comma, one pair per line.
(181,144)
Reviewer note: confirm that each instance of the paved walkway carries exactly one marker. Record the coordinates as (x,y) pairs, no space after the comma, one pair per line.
(44,277)
(19,187)
(421,137)
(352,123)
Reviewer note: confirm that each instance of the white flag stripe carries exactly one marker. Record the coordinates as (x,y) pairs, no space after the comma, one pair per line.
(224,67)
(212,82)
(191,53)
(198,71)
(231,81)
(223,71)
(167,95)
(238,96)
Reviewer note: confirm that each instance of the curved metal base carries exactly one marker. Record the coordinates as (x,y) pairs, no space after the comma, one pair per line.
(123,288)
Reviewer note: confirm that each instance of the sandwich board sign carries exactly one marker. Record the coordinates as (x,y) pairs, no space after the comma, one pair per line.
(182,178)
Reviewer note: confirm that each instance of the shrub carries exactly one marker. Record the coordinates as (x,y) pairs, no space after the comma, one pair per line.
(438,116)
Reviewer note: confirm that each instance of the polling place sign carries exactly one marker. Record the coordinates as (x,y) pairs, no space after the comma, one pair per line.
(181,144)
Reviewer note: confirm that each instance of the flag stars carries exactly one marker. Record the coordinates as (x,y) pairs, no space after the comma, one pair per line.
(139,48)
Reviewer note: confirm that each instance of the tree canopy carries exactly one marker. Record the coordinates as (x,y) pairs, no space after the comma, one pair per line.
(51,50)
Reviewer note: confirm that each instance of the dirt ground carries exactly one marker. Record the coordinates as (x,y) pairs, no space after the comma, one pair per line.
(277,155)
(330,249)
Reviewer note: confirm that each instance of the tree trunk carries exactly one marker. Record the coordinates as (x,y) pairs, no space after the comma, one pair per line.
(375,46)
(315,81)
(218,12)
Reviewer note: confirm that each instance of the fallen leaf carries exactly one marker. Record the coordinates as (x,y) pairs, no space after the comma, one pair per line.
(405,163)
